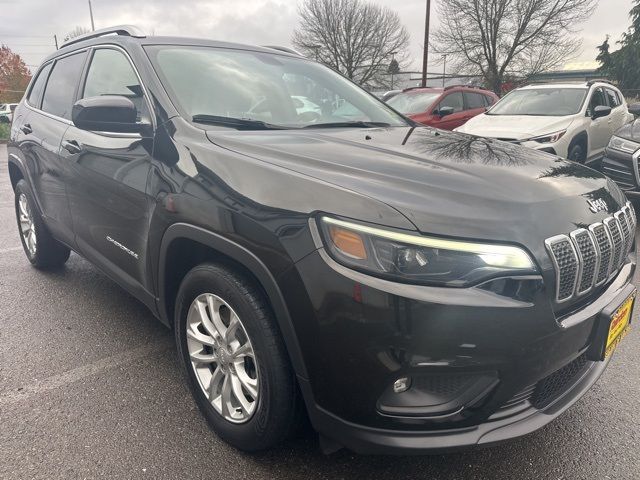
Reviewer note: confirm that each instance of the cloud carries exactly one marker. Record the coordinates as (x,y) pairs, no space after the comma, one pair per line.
(245,21)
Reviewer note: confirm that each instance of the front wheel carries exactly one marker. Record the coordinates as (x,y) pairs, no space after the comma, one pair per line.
(235,359)
(577,153)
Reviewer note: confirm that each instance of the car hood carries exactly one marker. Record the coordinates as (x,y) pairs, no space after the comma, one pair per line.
(444,183)
(630,131)
(516,127)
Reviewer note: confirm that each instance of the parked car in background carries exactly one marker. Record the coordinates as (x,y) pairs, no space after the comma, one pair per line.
(389,95)
(573,120)
(445,108)
(6,112)
(620,162)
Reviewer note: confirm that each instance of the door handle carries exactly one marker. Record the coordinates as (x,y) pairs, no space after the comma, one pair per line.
(71,146)
(26,129)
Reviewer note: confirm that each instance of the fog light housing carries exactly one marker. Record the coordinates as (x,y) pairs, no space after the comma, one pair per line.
(402,385)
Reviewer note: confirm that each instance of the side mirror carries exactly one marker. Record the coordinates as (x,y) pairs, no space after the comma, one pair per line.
(601,111)
(634,108)
(106,113)
(444,111)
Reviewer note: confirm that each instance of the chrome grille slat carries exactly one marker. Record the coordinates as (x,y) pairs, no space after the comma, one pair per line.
(587,257)
(605,248)
(616,236)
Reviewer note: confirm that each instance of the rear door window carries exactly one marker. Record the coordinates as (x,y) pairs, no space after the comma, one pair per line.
(35,94)
(474,100)
(453,100)
(60,91)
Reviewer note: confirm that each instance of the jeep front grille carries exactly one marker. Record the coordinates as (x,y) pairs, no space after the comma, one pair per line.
(587,257)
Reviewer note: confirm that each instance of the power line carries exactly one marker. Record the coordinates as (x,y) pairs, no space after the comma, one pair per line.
(30,44)
(23,36)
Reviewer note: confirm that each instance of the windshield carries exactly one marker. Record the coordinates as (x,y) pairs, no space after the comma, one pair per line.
(413,102)
(279,91)
(547,102)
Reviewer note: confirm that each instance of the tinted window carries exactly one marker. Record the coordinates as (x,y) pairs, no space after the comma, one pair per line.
(597,99)
(488,100)
(453,100)
(413,102)
(474,100)
(111,73)
(614,100)
(38,86)
(61,87)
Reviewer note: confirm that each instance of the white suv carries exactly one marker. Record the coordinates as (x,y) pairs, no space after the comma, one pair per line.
(573,121)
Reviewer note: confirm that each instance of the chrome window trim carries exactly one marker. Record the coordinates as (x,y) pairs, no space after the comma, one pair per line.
(581,260)
(90,52)
(549,242)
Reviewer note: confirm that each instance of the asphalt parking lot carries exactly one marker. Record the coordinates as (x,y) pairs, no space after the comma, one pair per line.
(90,388)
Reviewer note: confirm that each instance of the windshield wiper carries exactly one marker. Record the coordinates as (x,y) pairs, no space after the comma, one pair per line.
(237,123)
(353,124)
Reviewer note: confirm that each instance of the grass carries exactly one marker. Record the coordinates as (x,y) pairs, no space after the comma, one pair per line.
(4,132)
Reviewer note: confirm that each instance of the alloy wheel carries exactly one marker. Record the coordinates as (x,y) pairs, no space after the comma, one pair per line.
(27,227)
(222,358)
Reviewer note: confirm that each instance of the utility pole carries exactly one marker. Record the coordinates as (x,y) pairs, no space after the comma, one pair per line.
(55,39)
(93,27)
(444,69)
(425,58)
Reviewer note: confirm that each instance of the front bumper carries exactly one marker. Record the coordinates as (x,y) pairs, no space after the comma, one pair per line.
(360,334)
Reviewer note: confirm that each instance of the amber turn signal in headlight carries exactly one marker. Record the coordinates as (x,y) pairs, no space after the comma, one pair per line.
(348,242)
(415,258)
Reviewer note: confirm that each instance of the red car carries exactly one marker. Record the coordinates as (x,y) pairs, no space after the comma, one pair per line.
(445,108)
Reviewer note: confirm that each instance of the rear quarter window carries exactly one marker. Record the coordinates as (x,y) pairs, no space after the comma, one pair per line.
(35,94)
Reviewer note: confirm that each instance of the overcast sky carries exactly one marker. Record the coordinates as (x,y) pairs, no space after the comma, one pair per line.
(28,26)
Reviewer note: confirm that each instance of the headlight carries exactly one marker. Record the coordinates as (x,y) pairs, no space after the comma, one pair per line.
(623,145)
(551,138)
(418,259)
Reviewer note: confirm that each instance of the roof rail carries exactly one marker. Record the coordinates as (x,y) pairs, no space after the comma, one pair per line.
(599,80)
(125,30)
(460,85)
(408,89)
(284,49)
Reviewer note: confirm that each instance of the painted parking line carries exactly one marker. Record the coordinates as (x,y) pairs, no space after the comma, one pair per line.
(8,250)
(55,382)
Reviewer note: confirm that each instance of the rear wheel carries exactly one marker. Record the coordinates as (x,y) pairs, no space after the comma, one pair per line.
(42,250)
(234,357)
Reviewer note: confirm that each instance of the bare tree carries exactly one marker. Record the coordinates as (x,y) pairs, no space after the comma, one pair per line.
(356,38)
(76,32)
(496,38)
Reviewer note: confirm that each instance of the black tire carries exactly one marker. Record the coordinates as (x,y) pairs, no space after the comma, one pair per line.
(48,253)
(577,153)
(277,412)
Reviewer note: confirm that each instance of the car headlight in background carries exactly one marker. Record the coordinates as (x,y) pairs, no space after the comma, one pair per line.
(551,138)
(419,259)
(623,145)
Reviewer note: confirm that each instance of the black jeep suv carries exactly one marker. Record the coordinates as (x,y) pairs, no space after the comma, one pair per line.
(413,290)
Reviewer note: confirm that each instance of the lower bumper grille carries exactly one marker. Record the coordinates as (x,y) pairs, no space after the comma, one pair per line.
(552,387)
